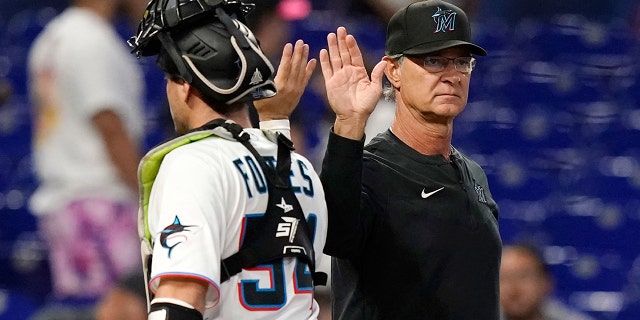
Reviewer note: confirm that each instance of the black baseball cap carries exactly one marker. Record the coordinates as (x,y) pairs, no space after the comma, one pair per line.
(429,26)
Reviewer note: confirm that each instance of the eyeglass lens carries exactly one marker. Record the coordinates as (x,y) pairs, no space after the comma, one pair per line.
(438,63)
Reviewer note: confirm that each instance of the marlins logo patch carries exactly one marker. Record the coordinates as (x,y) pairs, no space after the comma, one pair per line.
(445,20)
(480,191)
(173,235)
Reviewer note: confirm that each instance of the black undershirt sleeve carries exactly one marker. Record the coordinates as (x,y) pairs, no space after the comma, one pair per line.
(341,178)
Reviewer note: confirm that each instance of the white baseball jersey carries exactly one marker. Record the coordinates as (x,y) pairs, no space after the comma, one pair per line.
(206,195)
(79,66)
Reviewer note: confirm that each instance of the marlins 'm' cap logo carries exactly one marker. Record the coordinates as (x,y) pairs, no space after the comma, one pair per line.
(445,20)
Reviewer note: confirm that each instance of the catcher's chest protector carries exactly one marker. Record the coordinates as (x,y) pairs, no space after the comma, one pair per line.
(282,231)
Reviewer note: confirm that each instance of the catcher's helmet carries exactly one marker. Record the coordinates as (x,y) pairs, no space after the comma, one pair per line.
(206,43)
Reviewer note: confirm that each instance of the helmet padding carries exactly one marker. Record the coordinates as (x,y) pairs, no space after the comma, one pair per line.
(213,51)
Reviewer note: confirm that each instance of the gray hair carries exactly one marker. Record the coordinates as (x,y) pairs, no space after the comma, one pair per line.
(388,90)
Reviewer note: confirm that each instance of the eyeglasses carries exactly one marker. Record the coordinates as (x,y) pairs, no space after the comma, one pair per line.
(437,63)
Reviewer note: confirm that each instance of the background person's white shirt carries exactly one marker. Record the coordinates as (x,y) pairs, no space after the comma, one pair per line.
(79,66)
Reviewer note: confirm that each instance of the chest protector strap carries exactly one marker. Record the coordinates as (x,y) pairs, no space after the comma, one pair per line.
(283,230)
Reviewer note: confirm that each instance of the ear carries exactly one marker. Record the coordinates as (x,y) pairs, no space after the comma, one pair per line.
(392,71)
(183,90)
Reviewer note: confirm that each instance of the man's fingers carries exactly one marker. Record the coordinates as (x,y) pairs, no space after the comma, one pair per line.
(285,63)
(354,51)
(334,52)
(302,70)
(299,60)
(311,66)
(343,49)
(377,72)
(325,65)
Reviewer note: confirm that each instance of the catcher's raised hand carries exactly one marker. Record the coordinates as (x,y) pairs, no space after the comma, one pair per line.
(291,80)
(350,92)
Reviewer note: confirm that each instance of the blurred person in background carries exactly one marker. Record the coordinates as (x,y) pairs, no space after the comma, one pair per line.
(87,91)
(527,285)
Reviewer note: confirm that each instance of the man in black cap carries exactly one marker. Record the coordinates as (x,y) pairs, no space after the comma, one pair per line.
(413,228)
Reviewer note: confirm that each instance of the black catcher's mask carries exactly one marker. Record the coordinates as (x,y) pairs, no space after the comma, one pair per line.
(206,43)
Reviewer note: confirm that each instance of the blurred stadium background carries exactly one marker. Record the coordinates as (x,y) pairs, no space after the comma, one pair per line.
(553,117)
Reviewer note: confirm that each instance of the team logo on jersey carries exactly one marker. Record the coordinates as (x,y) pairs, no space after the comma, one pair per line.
(445,20)
(480,191)
(170,237)
(287,228)
(284,206)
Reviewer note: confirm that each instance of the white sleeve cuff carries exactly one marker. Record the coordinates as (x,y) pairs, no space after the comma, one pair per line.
(281,125)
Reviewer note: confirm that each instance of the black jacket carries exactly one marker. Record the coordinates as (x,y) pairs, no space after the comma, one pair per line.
(412,236)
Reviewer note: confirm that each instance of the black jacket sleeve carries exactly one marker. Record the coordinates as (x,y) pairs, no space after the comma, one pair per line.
(341,178)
